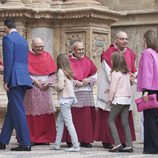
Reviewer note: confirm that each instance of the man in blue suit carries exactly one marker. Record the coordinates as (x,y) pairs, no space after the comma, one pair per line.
(16,81)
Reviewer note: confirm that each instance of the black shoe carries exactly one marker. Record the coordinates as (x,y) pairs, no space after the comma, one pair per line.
(127,149)
(33,144)
(116,148)
(2,146)
(21,148)
(86,145)
(69,144)
(107,146)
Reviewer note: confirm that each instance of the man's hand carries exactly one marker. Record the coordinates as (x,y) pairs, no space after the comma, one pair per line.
(37,83)
(85,81)
(1,69)
(5,86)
(44,86)
(79,84)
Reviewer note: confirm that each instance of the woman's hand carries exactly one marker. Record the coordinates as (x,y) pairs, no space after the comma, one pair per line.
(132,78)
(145,97)
(109,104)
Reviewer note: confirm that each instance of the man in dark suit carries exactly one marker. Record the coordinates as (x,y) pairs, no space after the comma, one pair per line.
(16,82)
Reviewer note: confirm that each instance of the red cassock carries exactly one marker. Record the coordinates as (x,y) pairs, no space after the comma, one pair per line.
(40,117)
(102,131)
(83,113)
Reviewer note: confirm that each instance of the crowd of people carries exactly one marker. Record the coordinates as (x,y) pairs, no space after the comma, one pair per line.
(30,76)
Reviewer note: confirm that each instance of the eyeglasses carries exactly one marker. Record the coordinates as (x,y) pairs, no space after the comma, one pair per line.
(80,49)
(122,39)
(39,46)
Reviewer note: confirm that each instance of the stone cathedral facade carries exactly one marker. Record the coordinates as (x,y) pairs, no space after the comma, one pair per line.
(60,22)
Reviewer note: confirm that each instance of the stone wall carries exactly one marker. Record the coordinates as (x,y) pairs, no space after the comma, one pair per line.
(130,5)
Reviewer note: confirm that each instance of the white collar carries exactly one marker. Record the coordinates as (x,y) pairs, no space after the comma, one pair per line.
(12,30)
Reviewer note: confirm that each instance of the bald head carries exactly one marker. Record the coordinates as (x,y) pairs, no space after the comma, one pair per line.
(121,34)
(78,49)
(37,41)
(37,45)
(121,40)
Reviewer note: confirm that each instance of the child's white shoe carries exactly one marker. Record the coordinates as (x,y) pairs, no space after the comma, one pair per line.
(54,147)
(73,149)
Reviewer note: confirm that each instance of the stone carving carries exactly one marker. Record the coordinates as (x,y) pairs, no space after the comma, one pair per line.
(71,37)
(99,43)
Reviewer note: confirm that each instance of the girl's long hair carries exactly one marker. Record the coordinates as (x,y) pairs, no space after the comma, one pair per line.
(119,63)
(64,64)
(151,40)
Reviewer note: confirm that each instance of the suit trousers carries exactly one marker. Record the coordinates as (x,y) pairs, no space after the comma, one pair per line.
(65,116)
(15,117)
(124,111)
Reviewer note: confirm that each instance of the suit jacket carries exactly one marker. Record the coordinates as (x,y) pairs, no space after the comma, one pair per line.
(15,58)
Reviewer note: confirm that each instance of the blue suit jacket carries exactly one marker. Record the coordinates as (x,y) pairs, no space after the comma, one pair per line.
(15,58)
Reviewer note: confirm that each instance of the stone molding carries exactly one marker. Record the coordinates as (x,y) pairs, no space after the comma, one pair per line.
(60,14)
(141,17)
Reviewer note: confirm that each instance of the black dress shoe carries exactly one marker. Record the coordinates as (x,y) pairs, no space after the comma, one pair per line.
(33,144)
(86,145)
(69,144)
(2,146)
(127,149)
(116,148)
(107,146)
(21,148)
(124,145)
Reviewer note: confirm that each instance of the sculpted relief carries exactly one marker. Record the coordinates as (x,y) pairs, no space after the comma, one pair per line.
(99,43)
(71,37)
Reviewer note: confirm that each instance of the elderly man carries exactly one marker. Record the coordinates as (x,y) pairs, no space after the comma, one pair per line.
(83,112)
(38,101)
(102,132)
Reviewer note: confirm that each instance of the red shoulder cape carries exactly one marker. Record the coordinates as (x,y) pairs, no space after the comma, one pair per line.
(128,54)
(82,68)
(42,64)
